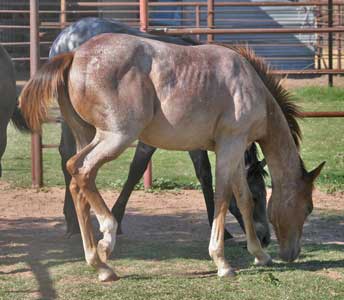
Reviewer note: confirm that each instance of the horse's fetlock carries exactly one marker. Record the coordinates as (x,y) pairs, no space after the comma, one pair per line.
(92,258)
(109,224)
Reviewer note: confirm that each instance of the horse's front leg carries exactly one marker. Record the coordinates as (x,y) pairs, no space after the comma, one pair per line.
(139,164)
(245,203)
(202,167)
(228,154)
(67,149)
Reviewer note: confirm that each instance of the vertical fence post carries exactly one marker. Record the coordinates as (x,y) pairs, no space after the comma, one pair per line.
(144,15)
(63,14)
(198,20)
(210,19)
(330,41)
(339,42)
(147,177)
(36,139)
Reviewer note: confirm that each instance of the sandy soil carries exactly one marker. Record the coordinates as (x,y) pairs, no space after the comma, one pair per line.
(168,215)
(32,228)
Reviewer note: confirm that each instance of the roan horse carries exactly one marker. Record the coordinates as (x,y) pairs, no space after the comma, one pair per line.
(78,33)
(117,88)
(8,101)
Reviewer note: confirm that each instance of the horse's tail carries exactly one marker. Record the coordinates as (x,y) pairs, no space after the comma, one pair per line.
(48,84)
(18,120)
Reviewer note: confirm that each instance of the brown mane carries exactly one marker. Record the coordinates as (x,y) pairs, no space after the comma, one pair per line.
(284,99)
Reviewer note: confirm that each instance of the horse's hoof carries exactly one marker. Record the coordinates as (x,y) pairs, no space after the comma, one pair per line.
(264,261)
(226,272)
(103,250)
(228,236)
(107,275)
(69,234)
(72,230)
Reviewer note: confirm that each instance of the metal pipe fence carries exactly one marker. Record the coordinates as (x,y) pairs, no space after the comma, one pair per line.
(34,25)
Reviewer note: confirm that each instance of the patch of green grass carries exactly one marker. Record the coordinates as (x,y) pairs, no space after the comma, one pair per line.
(323,140)
(176,270)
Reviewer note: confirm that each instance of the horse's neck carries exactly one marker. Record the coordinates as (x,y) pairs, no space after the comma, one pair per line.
(279,148)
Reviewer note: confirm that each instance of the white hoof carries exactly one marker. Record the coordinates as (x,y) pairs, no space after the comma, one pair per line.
(226,272)
(265,260)
(106,275)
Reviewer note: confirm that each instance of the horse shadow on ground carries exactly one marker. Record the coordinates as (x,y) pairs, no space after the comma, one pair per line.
(34,245)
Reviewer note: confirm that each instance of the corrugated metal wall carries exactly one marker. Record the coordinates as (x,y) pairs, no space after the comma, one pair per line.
(282,51)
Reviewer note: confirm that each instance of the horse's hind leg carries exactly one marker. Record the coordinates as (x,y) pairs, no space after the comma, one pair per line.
(83,167)
(90,245)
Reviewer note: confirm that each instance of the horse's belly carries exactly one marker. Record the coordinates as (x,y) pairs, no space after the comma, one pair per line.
(183,136)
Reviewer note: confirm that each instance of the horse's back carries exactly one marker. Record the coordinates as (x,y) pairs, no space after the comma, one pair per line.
(81,31)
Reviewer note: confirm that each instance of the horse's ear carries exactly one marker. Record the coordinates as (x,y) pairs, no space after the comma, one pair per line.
(316,172)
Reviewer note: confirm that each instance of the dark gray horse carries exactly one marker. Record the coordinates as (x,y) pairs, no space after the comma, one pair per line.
(81,31)
(8,101)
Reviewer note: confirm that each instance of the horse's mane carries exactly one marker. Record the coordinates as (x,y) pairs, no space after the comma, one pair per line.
(284,99)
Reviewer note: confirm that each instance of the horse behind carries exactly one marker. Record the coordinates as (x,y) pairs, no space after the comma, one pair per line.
(8,100)
(74,36)
(115,89)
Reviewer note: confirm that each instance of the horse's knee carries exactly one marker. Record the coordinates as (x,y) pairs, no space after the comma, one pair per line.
(245,203)
(73,187)
(71,166)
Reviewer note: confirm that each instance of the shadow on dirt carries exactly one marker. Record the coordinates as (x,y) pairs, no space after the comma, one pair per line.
(34,245)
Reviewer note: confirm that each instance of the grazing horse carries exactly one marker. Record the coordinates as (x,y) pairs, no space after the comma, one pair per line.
(116,88)
(8,101)
(78,33)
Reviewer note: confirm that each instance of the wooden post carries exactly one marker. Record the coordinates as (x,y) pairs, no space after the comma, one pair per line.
(210,19)
(147,177)
(144,15)
(198,20)
(330,41)
(36,139)
(63,14)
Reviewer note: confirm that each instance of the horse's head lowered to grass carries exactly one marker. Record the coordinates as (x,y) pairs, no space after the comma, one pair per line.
(288,217)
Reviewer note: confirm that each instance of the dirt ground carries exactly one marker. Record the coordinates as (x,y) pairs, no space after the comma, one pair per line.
(32,227)
(165,215)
